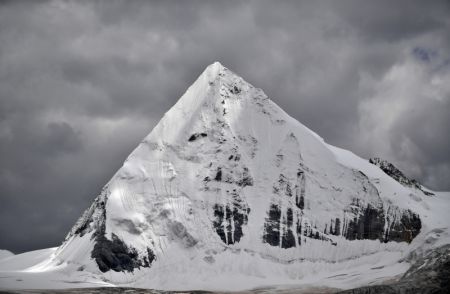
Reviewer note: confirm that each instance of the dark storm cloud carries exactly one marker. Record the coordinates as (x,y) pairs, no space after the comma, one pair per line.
(82,82)
(393,21)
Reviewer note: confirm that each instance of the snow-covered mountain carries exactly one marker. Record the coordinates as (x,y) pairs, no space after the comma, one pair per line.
(229,192)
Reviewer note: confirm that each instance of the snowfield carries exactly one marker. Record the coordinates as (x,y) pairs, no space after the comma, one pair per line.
(228,192)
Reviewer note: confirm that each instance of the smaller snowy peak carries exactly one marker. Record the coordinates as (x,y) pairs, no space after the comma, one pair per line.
(5,253)
(397,175)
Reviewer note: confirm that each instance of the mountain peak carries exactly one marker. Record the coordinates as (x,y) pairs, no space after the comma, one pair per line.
(216,65)
(227,183)
(217,72)
(213,70)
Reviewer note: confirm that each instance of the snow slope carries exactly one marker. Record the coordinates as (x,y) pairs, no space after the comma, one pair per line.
(229,192)
(5,253)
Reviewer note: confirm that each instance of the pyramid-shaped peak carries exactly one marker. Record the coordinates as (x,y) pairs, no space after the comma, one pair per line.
(216,65)
(215,83)
(227,182)
(218,71)
(217,94)
(213,70)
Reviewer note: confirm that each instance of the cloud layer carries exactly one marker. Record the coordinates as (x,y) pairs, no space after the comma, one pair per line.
(81,83)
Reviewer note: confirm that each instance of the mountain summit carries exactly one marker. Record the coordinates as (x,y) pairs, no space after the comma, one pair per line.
(229,192)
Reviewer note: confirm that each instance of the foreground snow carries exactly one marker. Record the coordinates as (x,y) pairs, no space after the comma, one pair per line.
(29,270)
(229,193)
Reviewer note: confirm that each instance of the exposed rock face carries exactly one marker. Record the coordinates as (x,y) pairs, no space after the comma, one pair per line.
(92,219)
(230,218)
(429,274)
(396,174)
(286,228)
(278,228)
(272,226)
(361,221)
(196,136)
(109,254)
(402,225)
(369,224)
(229,221)
(115,255)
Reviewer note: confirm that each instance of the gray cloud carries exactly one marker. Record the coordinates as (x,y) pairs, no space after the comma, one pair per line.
(81,83)
(393,21)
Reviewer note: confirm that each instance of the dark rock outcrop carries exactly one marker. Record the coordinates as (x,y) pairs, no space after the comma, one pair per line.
(279,228)
(115,255)
(229,219)
(241,178)
(367,224)
(300,190)
(397,175)
(92,218)
(272,226)
(287,236)
(218,176)
(246,179)
(368,221)
(196,136)
(428,274)
(109,254)
(402,228)
(335,227)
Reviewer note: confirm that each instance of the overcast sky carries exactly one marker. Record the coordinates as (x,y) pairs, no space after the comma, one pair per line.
(81,83)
